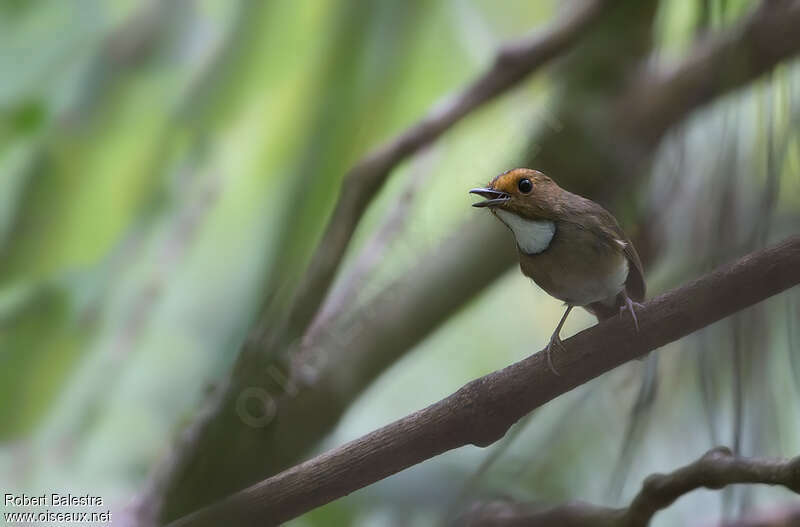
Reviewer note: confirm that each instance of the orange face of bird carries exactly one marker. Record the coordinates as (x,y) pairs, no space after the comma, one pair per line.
(522,191)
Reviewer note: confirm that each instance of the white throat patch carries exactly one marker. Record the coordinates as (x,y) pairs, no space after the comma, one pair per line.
(533,236)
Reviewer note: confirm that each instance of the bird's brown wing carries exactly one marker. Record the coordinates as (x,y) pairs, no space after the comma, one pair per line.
(605,226)
(634,284)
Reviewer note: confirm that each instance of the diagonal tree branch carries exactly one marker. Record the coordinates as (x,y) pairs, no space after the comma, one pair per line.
(483,410)
(372,253)
(658,100)
(513,63)
(716,469)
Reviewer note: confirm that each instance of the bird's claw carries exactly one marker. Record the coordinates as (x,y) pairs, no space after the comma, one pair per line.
(631,306)
(555,341)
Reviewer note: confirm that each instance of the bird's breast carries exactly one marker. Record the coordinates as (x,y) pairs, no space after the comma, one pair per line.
(532,236)
(577,267)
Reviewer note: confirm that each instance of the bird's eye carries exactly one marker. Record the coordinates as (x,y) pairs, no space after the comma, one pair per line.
(525,185)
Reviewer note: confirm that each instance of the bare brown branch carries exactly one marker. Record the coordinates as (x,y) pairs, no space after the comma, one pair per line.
(483,410)
(372,253)
(718,468)
(715,470)
(714,67)
(511,514)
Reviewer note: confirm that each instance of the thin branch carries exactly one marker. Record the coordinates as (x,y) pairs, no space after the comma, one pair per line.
(716,469)
(714,67)
(512,64)
(481,412)
(511,514)
(373,252)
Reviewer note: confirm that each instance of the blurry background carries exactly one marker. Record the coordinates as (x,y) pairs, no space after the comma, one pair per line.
(166,169)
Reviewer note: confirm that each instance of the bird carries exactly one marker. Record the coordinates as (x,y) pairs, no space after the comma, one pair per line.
(569,245)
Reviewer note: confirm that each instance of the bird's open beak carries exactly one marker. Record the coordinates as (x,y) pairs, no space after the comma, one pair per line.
(493,197)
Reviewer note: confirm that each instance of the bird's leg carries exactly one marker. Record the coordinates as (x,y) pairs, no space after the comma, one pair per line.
(631,306)
(555,340)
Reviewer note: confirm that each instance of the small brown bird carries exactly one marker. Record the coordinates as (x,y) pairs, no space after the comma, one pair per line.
(570,246)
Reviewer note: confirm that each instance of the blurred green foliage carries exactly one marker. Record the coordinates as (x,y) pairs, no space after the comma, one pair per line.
(167,167)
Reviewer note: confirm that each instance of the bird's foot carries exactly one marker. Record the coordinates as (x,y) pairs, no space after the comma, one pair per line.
(631,306)
(555,342)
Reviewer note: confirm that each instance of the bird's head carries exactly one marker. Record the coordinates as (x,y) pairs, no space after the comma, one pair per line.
(521,191)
